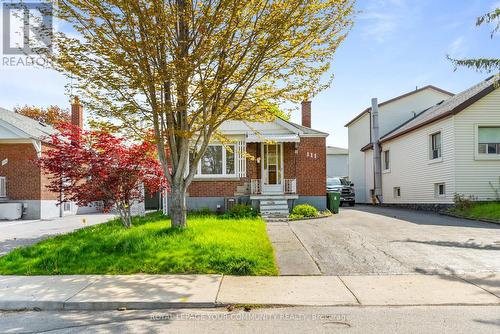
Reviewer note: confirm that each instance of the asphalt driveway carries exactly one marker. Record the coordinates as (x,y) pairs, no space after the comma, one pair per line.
(373,240)
(19,233)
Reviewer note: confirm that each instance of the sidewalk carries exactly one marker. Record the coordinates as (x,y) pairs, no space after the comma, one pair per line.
(105,292)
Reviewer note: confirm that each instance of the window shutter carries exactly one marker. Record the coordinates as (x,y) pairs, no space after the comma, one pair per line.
(242,160)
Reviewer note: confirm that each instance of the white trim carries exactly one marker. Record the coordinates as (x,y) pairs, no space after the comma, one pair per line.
(199,176)
(279,187)
(288,126)
(483,156)
(38,147)
(14,129)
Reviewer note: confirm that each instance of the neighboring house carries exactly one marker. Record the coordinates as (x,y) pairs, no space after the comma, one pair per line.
(451,147)
(392,113)
(271,165)
(22,141)
(337,162)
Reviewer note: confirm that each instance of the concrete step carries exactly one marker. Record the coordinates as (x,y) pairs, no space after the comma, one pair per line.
(275,219)
(275,213)
(274,207)
(273,202)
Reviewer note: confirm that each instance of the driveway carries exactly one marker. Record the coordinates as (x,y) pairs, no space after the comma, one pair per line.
(373,240)
(18,233)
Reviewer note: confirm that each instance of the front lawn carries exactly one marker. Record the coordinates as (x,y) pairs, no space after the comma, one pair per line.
(489,211)
(209,245)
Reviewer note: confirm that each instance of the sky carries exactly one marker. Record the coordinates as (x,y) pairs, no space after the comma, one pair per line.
(393,47)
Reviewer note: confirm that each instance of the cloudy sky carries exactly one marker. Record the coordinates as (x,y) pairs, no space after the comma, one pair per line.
(395,46)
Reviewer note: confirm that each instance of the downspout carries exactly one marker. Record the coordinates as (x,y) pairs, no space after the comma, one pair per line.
(377,166)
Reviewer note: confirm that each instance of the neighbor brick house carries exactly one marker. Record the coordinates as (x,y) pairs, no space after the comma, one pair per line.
(272,165)
(22,141)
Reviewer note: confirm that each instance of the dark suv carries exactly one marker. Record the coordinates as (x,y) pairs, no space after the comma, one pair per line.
(344,187)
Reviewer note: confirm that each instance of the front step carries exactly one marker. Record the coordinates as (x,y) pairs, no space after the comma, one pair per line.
(274,209)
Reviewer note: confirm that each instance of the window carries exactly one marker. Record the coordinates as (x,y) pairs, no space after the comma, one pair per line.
(218,161)
(489,140)
(387,160)
(66,206)
(397,192)
(439,190)
(435,145)
(3,186)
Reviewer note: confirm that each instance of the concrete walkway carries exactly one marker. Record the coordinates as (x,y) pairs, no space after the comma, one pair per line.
(291,255)
(98,292)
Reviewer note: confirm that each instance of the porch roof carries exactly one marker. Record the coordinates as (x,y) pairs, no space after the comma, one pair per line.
(279,138)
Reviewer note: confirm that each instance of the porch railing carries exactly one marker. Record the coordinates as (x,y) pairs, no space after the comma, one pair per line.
(290,186)
(255,186)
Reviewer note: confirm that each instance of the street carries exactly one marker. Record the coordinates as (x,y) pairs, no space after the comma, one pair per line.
(414,319)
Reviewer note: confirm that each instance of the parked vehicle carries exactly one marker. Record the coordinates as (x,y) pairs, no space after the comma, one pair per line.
(344,187)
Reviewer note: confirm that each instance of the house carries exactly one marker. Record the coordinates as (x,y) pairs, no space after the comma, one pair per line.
(392,113)
(22,140)
(451,147)
(271,165)
(337,162)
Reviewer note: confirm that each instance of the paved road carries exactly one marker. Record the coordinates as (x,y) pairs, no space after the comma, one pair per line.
(422,319)
(18,233)
(372,240)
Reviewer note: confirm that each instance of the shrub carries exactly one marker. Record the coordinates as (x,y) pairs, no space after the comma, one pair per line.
(462,202)
(201,212)
(240,211)
(304,210)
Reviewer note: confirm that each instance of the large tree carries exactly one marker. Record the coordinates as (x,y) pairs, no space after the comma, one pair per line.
(483,64)
(182,67)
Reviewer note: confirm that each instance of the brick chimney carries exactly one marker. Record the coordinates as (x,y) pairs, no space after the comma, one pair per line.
(306,114)
(76,112)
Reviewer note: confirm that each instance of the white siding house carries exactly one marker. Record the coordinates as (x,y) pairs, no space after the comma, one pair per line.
(450,148)
(392,113)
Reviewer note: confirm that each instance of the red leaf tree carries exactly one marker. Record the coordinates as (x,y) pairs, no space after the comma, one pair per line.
(96,166)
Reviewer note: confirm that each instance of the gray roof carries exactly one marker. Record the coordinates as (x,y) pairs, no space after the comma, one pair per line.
(336,150)
(32,128)
(445,108)
(306,130)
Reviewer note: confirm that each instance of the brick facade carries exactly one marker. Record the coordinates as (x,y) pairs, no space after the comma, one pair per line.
(25,181)
(307,165)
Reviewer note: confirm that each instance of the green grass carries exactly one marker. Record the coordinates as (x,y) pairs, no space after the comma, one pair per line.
(489,210)
(208,245)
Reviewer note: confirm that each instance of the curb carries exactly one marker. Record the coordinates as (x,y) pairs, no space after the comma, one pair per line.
(485,220)
(101,306)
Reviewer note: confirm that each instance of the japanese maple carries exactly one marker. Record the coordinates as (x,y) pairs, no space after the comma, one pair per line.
(97,166)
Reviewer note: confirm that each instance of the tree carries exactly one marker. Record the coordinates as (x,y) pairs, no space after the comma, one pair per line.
(52,115)
(275,110)
(483,64)
(95,166)
(183,67)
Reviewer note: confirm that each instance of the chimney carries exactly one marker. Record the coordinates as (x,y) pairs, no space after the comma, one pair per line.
(306,114)
(76,112)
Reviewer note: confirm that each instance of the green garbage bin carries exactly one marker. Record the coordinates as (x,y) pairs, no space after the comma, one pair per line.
(333,201)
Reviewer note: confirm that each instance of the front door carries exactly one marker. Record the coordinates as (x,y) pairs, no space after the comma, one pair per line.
(272,168)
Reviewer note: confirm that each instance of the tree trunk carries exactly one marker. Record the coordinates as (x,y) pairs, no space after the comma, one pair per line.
(125,217)
(178,205)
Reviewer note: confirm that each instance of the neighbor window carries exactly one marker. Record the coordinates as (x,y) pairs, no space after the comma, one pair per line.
(387,160)
(218,160)
(397,192)
(436,145)
(489,140)
(439,189)
(3,186)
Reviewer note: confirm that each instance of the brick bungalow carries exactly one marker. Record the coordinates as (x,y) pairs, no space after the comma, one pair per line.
(22,140)
(288,167)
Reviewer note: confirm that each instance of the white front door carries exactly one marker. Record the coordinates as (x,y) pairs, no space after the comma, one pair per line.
(272,168)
